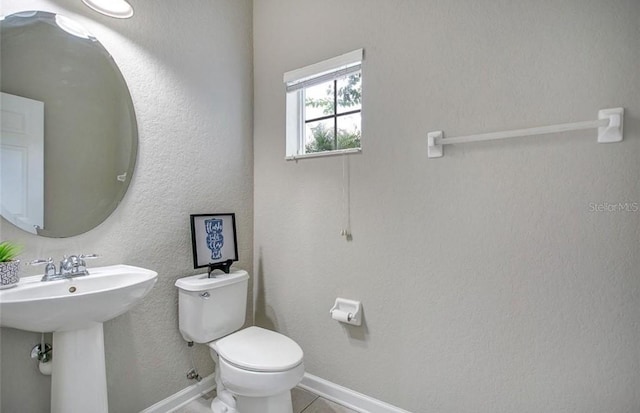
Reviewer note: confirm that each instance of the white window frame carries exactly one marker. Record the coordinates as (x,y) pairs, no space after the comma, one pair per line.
(296,81)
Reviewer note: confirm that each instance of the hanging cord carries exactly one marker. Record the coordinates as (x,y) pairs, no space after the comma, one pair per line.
(346,198)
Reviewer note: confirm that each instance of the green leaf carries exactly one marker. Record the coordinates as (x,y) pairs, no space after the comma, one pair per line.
(9,251)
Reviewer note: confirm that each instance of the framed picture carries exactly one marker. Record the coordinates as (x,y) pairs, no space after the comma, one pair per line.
(214,242)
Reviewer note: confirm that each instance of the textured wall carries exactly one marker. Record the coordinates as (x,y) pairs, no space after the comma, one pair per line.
(188,66)
(488,284)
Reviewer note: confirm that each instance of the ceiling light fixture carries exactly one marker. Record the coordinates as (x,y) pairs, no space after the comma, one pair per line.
(119,9)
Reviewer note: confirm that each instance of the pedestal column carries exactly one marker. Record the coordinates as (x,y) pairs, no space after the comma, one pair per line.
(79,378)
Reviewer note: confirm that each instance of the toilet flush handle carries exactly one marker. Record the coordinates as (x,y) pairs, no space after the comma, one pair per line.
(205,295)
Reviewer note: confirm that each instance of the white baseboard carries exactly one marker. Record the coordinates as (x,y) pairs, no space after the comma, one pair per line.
(184,396)
(346,397)
(323,388)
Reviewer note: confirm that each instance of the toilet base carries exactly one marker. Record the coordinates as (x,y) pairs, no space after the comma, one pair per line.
(280,403)
(219,406)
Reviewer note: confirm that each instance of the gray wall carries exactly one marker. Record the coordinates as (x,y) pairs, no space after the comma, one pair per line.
(188,67)
(488,284)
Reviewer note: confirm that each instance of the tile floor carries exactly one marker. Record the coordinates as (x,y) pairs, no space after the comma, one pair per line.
(303,402)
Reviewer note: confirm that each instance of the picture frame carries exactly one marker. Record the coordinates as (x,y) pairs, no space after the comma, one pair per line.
(214,241)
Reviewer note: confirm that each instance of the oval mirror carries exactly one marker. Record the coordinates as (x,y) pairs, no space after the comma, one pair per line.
(69,136)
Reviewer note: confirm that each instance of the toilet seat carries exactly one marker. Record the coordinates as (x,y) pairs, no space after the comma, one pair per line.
(260,350)
(249,383)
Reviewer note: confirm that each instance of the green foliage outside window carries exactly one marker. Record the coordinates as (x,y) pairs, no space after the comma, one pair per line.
(348,96)
(323,139)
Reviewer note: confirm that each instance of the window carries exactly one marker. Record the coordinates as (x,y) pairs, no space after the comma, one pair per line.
(324,105)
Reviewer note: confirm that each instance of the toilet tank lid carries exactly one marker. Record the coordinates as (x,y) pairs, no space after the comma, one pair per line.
(201,282)
(258,349)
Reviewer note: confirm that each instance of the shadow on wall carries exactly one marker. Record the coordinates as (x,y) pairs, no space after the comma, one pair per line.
(263,314)
(119,333)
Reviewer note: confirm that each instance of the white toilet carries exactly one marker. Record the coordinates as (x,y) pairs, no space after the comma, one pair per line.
(255,368)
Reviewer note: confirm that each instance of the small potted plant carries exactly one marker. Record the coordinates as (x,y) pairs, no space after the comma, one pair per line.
(9,266)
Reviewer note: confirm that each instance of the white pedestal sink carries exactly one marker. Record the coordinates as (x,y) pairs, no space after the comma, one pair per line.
(74,310)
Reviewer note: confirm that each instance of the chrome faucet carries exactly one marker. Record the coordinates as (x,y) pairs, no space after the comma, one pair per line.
(70,267)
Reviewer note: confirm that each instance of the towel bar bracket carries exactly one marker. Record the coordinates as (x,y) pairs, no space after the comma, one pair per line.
(614,130)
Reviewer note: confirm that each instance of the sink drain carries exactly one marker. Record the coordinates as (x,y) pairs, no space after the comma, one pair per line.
(72,289)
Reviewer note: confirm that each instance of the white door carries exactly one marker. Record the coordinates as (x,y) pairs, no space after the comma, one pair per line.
(22,162)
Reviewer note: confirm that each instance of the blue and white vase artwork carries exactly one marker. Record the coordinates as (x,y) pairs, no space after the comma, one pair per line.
(215,239)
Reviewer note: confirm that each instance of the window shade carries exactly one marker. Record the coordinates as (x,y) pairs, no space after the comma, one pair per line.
(324,71)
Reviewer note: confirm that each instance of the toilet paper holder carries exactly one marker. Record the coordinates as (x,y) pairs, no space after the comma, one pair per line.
(347,311)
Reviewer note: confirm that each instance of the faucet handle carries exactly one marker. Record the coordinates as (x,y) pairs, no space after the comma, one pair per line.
(49,269)
(88,256)
(82,265)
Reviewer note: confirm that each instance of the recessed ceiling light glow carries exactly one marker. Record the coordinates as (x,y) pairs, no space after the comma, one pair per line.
(72,27)
(26,14)
(119,9)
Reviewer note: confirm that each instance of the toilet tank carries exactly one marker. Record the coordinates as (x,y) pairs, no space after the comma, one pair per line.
(210,308)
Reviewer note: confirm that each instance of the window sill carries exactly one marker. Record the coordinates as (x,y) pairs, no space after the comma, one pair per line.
(323,154)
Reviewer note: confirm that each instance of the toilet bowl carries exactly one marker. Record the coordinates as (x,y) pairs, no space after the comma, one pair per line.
(255,368)
(259,367)
(259,383)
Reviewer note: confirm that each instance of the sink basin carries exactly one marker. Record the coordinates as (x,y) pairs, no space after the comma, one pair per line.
(74,310)
(75,303)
